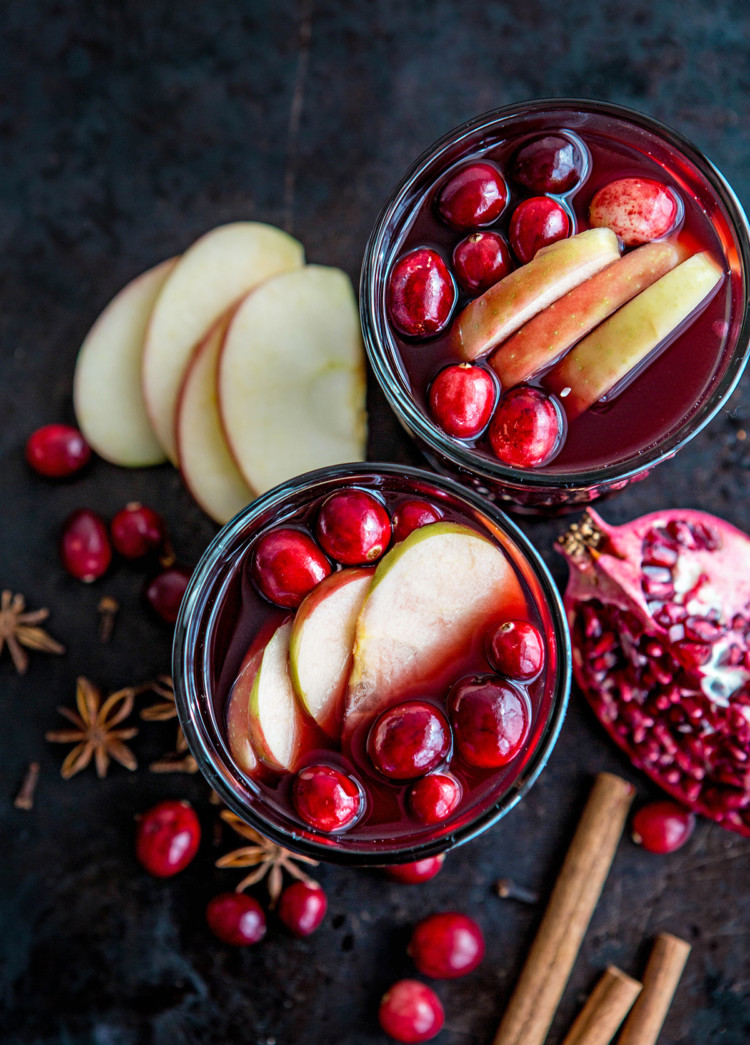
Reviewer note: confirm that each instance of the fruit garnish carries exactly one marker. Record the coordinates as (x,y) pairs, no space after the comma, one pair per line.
(410,1012)
(659,613)
(286,565)
(662,827)
(353,527)
(462,398)
(19,628)
(636,209)
(95,733)
(612,354)
(416,872)
(410,515)
(507,305)
(302,907)
(57,451)
(167,838)
(84,545)
(549,164)
(274,717)
(137,530)
(409,740)
(546,337)
(473,196)
(434,797)
(516,649)
(238,705)
(490,719)
(326,799)
(446,945)
(537,222)
(527,428)
(164,592)
(421,293)
(480,260)
(236,919)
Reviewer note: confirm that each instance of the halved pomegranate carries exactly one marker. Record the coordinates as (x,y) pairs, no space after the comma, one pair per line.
(659,613)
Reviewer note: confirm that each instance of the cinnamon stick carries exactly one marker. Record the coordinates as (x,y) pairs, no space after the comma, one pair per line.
(663,972)
(606,1008)
(579,884)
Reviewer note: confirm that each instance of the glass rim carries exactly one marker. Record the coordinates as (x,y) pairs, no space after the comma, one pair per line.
(210,752)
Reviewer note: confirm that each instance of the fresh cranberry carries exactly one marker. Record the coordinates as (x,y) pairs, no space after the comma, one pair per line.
(167,838)
(433,798)
(287,565)
(527,428)
(536,223)
(490,720)
(516,649)
(421,293)
(409,740)
(416,872)
(447,945)
(57,451)
(412,515)
(662,827)
(475,195)
(85,550)
(410,1011)
(353,527)
(302,907)
(462,398)
(636,209)
(236,919)
(165,591)
(325,798)
(550,164)
(480,260)
(137,530)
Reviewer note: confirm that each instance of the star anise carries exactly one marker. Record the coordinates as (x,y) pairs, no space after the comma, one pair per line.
(180,760)
(18,628)
(95,735)
(265,856)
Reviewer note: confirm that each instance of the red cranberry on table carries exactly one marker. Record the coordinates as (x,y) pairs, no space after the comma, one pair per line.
(446,945)
(137,530)
(662,827)
(550,164)
(475,195)
(287,564)
(417,871)
(462,398)
(302,907)
(527,428)
(410,1011)
(490,720)
(167,838)
(409,740)
(433,798)
(57,451)
(412,515)
(325,798)
(353,527)
(421,293)
(85,549)
(236,919)
(164,592)
(536,223)
(480,260)
(516,649)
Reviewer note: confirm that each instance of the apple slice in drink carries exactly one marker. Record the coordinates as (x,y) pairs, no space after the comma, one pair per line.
(109,404)
(238,711)
(275,717)
(617,349)
(551,332)
(320,647)
(552,272)
(431,597)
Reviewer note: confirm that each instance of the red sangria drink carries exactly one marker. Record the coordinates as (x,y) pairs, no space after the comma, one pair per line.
(555,299)
(371,664)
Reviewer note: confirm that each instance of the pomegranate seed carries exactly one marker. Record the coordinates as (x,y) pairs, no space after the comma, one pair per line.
(662,827)
(536,223)
(410,1011)
(57,451)
(326,799)
(165,591)
(462,398)
(421,294)
(167,838)
(411,515)
(490,720)
(85,550)
(480,260)
(236,919)
(475,195)
(550,164)
(433,798)
(302,907)
(409,740)
(137,530)
(287,564)
(516,649)
(527,428)
(447,945)
(416,872)
(353,527)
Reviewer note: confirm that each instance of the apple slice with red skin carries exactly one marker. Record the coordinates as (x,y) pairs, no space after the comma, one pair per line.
(552,272)
(616,350)
(320,647)
(238,712)
(549,335)
(275,718)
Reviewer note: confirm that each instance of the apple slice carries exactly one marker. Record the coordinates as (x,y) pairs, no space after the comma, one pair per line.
(291,377)
(552,272)
(107,396)
(546,337)
(217,270)
(207,466)
(431,596)
(275,717)
(238,711)
(613,353)
(320,647)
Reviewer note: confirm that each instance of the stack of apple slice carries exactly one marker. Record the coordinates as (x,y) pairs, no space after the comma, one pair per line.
(236,361)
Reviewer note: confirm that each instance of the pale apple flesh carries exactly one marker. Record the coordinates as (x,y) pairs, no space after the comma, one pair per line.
(275,718)
(238,712)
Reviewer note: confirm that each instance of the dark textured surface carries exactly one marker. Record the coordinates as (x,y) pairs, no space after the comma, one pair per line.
(126,130)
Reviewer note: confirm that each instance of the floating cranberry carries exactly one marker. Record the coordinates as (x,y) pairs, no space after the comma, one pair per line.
(302,907)
(236,919)
(409,740)
(412,515)
(57,451)
(416,872)
(287,565)
(325,798)
(662,827)
(490,720)
(536,223)
(446,945)
(475,195)
(137,530)
(353,527)
(516,649)
(167,838)
(527,428)
(85,550)
(433,798)
(550,164)
(410,1011)
(421,293)
(480,260)
(165,591)
(462,398)
(636,209)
